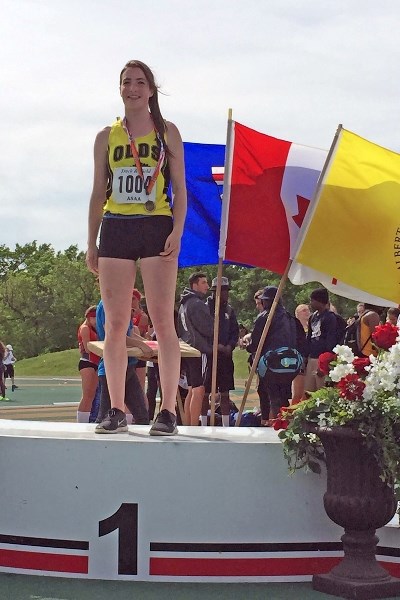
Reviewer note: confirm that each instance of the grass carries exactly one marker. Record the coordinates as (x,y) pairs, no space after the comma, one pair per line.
(56,364)
(65,363)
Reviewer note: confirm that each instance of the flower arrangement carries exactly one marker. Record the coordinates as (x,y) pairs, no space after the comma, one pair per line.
(363,394)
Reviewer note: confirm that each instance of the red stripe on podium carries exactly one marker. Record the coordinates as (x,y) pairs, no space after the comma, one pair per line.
(41,561)
(236,567)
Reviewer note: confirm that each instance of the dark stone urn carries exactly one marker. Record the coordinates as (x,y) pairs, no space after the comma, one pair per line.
(358,500)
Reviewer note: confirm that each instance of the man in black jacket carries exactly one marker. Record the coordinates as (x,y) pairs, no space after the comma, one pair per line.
(228,337)
(285,331)
(321,337)
(196,327)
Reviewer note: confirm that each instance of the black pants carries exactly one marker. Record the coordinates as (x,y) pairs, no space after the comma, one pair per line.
(153,383)
(134,397)
(265,404)
(278,391)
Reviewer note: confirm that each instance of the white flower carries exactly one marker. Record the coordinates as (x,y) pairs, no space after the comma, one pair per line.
(344,354)
(340,371)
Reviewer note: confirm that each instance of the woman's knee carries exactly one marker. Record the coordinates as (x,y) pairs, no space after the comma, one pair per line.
(164,327)
(116,326)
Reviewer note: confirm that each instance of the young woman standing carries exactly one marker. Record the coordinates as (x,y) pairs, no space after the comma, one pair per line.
(135,160)
(88,364)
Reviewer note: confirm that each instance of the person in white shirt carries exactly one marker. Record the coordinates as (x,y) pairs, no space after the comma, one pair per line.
(8,362)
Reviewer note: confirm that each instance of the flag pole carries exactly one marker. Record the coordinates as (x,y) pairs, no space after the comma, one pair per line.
(221,254)
(267,326)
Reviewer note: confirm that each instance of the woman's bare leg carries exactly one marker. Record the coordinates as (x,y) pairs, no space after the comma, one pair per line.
(117,279)
(159,280)
(89,386)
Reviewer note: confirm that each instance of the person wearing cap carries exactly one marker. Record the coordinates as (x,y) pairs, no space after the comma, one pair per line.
(285,330)
(321,337)
(87,365)
(195,327)
(9,361)
(228,336)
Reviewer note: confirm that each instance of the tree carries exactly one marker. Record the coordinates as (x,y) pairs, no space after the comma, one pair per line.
(43,297)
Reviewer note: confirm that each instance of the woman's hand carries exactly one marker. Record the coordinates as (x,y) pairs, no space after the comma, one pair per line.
(92,259)
(172,246)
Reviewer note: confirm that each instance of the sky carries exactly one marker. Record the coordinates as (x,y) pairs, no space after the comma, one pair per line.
(293,69)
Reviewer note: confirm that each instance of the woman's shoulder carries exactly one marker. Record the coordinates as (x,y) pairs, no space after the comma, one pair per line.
(172,132)
(104,133)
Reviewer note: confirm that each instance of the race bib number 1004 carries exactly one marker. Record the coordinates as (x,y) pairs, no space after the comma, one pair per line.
(130,188)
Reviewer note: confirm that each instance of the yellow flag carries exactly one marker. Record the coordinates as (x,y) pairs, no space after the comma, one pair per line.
(353,234)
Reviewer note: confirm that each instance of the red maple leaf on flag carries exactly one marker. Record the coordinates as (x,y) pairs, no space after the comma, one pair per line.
(302,205)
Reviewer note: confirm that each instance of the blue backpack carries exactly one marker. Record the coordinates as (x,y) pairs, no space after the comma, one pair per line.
(281,365)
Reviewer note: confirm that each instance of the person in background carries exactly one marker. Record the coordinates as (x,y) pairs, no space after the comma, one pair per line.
(134,397)
(369,319)
(393,315)
(228,336)
(360,308)
(302,313)
(321,337)
(261,390)
(3,396)
(88,364)
(196,327)
(141,321)
(9,361)
(285,331)
(137,161)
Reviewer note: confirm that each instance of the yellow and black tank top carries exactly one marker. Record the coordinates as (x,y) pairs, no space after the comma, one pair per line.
(125,188)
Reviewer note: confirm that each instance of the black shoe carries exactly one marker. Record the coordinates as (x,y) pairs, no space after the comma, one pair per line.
(113,422)
(14,387)
(165,424)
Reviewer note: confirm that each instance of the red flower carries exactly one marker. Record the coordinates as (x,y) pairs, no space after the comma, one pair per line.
(384,336)
(324,361)
(351,387)
(359,364)
(280,423)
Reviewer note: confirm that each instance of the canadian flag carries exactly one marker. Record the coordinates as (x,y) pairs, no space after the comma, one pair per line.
(272,184)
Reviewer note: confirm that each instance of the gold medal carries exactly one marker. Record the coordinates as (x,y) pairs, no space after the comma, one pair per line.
(149,205)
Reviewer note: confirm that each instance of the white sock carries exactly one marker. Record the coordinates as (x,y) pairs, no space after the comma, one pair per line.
(225,420)
(82,417)
(203,420)
(129,418)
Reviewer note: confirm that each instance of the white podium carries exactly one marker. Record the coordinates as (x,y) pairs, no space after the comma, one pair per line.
(211,504)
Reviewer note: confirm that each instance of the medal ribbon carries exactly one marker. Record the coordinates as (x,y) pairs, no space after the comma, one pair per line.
(136,158)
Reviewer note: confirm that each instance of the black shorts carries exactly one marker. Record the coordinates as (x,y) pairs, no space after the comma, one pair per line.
(86,364)
(194,369)
(134,238)
(225,371)
(8,371)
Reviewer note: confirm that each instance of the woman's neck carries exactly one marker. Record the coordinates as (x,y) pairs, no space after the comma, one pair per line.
(139,123)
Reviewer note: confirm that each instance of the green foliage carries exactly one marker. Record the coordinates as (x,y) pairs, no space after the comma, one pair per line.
(43,297)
